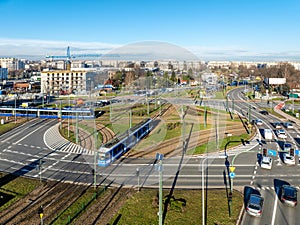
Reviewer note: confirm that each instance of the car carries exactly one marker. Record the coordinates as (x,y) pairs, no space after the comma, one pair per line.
(264,112)
(287,146)
(281,134)
(258,122)
(288,159)
(289,195)
(277,125)
(266,163)
(288,125)
(255,205)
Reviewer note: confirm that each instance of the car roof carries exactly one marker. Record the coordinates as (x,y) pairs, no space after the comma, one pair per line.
(255,199)
(289,190)
(266,158)
(281,131)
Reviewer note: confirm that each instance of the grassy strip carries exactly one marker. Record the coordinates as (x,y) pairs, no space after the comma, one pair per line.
(212,146)
(17,188)
(7,127)
(142,208)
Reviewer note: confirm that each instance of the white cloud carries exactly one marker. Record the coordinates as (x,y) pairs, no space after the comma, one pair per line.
(144,50)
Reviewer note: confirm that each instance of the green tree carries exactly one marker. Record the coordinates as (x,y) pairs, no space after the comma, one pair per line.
(173,76)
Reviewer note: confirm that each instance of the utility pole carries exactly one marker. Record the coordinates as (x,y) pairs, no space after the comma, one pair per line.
(138,178)
(16,109)
(95,155)
(69,117)
(159,167)
(76,132)
(130,118)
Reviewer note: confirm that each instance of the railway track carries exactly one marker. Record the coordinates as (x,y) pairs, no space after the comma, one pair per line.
(54,197)
(173,146)
(105,207)
(107,134)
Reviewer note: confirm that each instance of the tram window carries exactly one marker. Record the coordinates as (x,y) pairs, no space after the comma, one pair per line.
(102,156)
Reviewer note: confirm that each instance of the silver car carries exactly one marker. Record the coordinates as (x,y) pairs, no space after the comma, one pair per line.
(255,205)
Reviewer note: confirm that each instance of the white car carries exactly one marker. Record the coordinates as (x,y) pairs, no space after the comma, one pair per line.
(277,125)
(281,134)
(266,163)
(259,122)
(287,147)
(255,205)
(288,125)
(288,159)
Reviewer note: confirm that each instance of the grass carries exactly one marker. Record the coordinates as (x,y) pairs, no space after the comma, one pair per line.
(142,208)
(7,127)
(212,146)
(75,208)
(219,95)
(18,187)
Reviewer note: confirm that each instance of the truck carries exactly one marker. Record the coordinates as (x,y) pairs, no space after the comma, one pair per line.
(268,134)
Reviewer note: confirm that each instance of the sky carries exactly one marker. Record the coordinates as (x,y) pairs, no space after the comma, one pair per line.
(211,29)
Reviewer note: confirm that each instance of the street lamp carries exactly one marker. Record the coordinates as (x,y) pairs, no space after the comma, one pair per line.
(159,167)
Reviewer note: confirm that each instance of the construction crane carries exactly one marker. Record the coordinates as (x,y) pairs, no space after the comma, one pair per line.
(66,57)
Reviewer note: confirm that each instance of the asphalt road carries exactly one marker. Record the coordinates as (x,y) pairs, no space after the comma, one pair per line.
(267,182)
(23,148)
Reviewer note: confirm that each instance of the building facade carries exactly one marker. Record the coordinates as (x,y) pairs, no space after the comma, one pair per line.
(11,64)
(66,81)
(3,74)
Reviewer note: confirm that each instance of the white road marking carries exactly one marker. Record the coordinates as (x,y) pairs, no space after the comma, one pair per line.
(274,210)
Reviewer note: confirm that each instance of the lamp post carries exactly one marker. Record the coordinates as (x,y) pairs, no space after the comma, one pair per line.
(95,155)
(159,167)
(16,108)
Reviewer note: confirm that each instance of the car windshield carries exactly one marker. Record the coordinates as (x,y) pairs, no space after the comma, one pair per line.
(266,162)
(254,206)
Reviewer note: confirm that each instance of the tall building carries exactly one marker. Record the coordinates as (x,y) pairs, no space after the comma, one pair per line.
(11,64)
(66,81)
(3,73)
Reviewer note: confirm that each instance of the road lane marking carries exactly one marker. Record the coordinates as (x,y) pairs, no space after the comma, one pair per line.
(274,209)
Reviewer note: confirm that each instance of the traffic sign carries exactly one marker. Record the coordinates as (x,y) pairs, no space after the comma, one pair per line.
(232,168)
(272,152)
(232,175)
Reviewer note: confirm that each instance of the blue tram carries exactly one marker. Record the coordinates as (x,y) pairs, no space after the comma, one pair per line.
(115,148)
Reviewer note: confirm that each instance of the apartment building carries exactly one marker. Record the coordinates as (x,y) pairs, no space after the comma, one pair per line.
(11,64)
(3,73)
(67,81)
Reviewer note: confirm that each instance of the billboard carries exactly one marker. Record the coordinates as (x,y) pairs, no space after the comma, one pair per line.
(275,81)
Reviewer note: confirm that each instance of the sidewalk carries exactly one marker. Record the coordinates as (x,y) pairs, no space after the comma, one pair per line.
(278,110)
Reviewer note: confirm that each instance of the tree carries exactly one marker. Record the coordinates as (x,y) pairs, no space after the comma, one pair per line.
(173,76)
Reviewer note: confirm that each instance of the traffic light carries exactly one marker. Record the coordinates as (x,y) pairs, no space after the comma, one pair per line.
(230,197)
(40,210)
(292,152)
(265,152)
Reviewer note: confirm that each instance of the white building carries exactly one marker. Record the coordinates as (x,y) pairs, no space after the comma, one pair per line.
(11,64)
(68,81)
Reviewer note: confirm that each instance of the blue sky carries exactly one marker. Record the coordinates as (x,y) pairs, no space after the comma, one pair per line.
(232,28)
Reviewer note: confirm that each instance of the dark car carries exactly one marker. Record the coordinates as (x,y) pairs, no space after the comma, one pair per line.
(289,195)
(264,112)
(255,205)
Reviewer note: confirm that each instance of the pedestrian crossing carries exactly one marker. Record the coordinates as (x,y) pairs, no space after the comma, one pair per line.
(267,188)
(56,142)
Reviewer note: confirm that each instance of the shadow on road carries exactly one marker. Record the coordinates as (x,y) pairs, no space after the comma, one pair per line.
(167,201)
